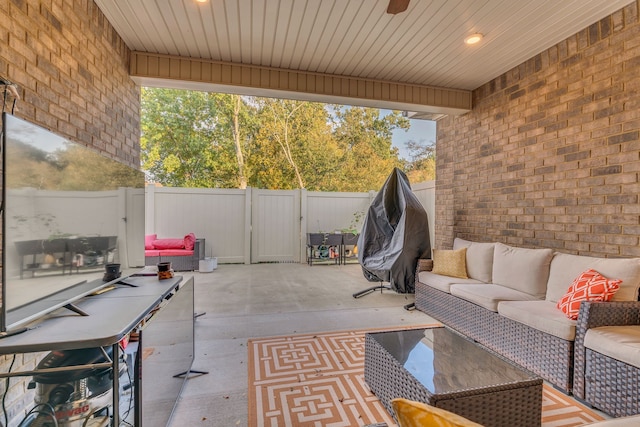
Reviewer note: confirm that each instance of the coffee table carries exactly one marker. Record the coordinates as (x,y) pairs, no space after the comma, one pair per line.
(439,367)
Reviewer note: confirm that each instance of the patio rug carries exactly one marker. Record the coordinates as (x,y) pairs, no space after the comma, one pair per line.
(317,380)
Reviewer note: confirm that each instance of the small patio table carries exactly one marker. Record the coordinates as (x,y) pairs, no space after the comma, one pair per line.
(439,367)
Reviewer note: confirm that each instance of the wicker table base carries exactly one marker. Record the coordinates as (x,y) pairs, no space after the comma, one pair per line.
(444,369)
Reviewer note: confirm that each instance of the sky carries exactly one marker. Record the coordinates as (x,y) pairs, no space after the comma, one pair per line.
(419,131)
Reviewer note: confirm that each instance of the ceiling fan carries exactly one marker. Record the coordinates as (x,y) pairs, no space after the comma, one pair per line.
(397,6)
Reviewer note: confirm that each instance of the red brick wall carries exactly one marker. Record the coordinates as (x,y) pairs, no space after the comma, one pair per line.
(550,154)
(71,69)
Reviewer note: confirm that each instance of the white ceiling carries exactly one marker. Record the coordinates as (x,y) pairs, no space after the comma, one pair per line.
(356,38)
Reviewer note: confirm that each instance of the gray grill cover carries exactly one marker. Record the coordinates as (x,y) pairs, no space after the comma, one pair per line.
(395,234)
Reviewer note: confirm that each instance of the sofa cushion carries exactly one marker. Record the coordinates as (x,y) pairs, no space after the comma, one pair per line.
(151,252)
(450,263)
(618,342)
(632,421)
(442,283)
(175,252)
(488,295)
(566,267)
(148,240)
(589,286)
(525,270)
(168,244)
(479,258)
(189,241)
(540,315)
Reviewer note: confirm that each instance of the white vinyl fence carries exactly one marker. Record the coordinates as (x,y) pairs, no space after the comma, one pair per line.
(252,225)
(43,214)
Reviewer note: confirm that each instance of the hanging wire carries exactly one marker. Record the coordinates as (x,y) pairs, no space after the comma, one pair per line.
(6,391)
(4,97)
(45,409)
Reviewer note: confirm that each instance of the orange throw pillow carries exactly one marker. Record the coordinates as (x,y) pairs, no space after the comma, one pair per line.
(589,286)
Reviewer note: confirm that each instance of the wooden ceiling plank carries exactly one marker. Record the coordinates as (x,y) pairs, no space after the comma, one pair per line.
(356,37)
(491,61)
(303,39)
(336,43)
(187,24)
(326,44)
(426,32)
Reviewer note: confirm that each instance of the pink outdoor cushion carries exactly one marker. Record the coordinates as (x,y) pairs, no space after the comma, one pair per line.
(168,244)
(151,252)
(189,241)
(176,252)
(148,240)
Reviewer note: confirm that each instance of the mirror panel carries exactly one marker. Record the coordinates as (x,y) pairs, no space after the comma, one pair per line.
(66,210)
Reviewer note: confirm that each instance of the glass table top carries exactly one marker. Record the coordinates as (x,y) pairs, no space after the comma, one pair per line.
(445,362)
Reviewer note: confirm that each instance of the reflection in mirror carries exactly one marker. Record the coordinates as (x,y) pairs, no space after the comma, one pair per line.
(69,211)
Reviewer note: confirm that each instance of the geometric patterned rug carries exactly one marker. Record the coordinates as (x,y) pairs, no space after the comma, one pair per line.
(317,380)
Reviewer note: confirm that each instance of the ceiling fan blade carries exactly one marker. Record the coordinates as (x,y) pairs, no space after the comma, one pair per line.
(397,6)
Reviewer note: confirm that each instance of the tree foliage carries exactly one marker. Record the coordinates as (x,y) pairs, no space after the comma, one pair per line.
(187,137)
(199,139)
(422,163)
(69,168)
(364,137)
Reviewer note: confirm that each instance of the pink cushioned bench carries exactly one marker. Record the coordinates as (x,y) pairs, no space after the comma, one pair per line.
(183,254)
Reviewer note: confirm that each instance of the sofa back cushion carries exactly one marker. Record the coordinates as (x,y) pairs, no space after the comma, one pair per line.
(522,269)
(168,244)
(566,267)
(479,258)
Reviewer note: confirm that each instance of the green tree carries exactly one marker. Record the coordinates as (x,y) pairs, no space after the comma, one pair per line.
(421,165)
(194,139)
(71,168)
(236,111)
(199,139)
(293,147)
(364,136)
(87,170)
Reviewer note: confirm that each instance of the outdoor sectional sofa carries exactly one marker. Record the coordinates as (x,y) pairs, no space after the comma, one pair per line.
(608,352)
(184,254)
(508,302)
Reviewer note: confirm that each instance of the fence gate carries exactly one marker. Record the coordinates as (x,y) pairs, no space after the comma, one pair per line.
(275,223)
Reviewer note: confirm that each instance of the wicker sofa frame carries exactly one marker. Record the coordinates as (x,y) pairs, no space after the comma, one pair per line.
(603,382)
(541,353)
(181,263)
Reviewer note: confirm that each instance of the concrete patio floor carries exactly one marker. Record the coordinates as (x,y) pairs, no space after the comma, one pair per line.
(261,300)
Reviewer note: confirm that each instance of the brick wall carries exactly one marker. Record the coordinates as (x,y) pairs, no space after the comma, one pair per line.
(550,154)
(71,69)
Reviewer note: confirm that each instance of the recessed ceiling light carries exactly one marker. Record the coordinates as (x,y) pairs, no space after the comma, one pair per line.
(473,38)
(202,1)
